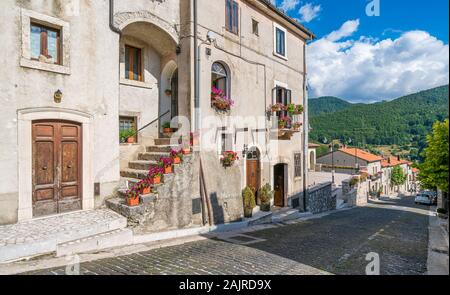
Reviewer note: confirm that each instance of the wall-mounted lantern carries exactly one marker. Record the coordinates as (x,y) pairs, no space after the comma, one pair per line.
(57,96)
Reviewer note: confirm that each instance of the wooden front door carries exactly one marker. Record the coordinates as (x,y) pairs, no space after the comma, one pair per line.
(56,167)
(279,185)
(253,177)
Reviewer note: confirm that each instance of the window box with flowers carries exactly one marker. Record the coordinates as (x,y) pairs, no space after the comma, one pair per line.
(278,107)
(220,101)
(284,122)
(294,109)
(167,165)
(229,158)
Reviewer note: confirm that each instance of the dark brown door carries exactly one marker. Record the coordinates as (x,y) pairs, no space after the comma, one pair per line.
(279,184)
(56,167)
(253,177)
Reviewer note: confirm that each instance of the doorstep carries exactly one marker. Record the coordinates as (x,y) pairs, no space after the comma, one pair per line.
(41,236)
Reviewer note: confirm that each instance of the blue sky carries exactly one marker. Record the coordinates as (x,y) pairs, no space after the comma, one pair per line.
(367,59)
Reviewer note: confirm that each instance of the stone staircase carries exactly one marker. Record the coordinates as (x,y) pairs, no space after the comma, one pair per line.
(160,204)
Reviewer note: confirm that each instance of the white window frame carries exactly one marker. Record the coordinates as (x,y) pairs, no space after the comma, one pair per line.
(275,27)
(28,17)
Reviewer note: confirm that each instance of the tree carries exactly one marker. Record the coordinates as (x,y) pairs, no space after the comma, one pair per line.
(434,171)
(398,177)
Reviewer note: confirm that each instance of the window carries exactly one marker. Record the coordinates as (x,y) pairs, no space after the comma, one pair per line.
(298,165)
(126,123)
(232,16)
(226,142)
(280,41)
(133,63)
(255,27)
(45,44)
(219,77)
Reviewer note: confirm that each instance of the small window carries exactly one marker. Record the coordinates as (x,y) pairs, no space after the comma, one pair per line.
(298,165)
(45,44)
(127,123)
(255,27)
(133,63)
(280,41)
(226,142)
(232,16)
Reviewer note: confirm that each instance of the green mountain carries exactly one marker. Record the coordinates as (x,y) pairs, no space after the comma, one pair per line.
(326,104)
(404,121)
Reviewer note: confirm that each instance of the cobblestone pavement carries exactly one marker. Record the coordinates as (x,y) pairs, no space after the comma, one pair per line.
(337,243)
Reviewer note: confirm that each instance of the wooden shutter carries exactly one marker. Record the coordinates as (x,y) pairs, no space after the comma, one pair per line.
(235,17)
(44,45)
(228,16)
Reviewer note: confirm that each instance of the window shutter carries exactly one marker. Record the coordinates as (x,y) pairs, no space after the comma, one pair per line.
(289,96)
(274,95)
(44,50)
(227,14)
(235,17)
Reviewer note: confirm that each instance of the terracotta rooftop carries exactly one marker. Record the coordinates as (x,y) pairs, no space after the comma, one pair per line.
(394,161)
(313,145)
(361,154)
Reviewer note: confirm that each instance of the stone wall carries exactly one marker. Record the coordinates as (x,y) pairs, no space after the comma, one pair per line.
(355,196)
(223,186)
(320,199)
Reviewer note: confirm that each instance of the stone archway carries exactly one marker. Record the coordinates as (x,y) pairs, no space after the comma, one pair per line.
(167,109)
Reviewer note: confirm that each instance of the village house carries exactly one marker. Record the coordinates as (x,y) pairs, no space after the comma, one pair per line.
(410,173)
(94,93)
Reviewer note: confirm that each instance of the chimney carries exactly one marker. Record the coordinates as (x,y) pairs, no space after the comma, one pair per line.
(398,158)
(389,160)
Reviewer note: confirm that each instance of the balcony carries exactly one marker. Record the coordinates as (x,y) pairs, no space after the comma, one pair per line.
(286,118)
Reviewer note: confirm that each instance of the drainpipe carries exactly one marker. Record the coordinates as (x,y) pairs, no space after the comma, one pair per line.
(196,71)
(111,18)
(305,131)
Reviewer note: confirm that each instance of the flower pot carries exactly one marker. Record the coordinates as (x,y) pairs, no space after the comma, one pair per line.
(146,190)
(168,170)
(167,130)
(130,140)
(157,179)
(265,207)
(281,126)
(248,212)
(176,160)
(132,202)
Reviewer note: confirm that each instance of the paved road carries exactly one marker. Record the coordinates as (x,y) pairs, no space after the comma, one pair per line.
(338,243)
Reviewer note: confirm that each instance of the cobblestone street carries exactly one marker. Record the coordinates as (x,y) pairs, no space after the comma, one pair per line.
(397,230)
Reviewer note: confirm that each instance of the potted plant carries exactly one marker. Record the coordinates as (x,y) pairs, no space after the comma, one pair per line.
(133,197)
(283,122)
(127,135)
(296,126)
(278,107)
(249,201)
(265,194)
(228,158)
(166,164)
(166,127)
(291,108)
(123,134)
(145,186)
(168,92)
(177,156)
(155,174)
(294,109)
(220,101)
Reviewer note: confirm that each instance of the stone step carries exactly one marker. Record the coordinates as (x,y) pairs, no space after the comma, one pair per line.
(122,192)
(41,236)
(115,238)
(162,141)
(142,164)
(134,173)
(285,215)
(160,148)
(152,156)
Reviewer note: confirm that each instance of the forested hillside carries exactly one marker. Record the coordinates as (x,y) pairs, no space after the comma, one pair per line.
(326,104)
(403,121)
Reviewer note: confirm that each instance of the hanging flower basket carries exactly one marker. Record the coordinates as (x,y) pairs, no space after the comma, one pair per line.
(228,158)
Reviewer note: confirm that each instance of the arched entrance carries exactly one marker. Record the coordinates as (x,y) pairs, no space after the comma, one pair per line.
(254,171)
(168,105)
(280,184)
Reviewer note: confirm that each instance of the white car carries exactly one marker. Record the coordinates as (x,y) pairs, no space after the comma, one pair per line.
(423,199)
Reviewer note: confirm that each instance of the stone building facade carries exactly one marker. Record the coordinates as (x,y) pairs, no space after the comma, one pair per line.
(75,73)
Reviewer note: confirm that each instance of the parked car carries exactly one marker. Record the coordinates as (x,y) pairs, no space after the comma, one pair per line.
(423,199)
(432,195)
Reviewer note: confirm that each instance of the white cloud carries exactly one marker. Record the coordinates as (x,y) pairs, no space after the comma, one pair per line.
(367,69)
(287,5)
(308,12)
